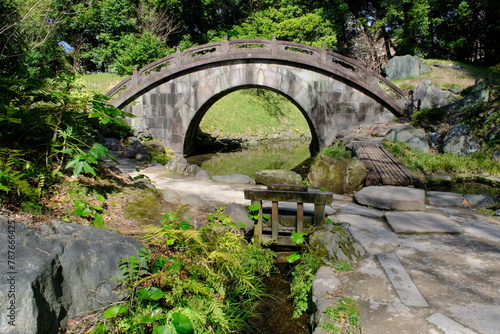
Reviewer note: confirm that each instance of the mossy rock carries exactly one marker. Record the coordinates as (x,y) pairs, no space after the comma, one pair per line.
(334,243)
(277,176)
(339,175)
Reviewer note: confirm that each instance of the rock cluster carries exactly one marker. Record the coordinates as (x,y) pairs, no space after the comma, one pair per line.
(61,271)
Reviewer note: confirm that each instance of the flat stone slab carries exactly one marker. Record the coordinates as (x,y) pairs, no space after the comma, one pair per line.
(441,198)
(356,209)
(392,198)
(404,286)
(420,222)
(447,325)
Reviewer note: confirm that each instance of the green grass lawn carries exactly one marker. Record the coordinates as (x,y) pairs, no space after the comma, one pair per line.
(243,112)
(101,82)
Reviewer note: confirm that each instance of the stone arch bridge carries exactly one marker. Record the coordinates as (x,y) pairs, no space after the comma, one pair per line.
(171,95)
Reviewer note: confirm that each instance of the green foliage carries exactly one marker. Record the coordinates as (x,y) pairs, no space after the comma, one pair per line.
(204,280)
(431,115)
(253,213)
(432,163)
(92,213)
(14,176)
(138,51)
(162,157)
(288,22)
(50,125)
(336,152)
(484,119)
(301,286)
(344,315)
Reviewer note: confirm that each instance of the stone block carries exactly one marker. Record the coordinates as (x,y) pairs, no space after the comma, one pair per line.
(392,198)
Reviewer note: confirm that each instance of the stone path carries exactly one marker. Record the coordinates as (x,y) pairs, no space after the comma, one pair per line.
(425,272)
(434,269)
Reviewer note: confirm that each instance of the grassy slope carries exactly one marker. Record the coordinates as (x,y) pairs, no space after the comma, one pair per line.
(240,113)
(447,78)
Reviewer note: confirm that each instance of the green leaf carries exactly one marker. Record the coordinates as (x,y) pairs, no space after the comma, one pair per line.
(151,293)
(161,330)
(293,257)
(83,212)
(298,238)
(114,310)
(184,226)
(182,323)
(254,207)
(170,217)
(78,168)
(152,317)
(98,221)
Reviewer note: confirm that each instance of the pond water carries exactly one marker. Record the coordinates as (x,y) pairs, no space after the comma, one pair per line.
(467,187)
(267,155)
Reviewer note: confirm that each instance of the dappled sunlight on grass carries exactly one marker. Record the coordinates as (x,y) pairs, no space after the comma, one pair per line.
(430,163)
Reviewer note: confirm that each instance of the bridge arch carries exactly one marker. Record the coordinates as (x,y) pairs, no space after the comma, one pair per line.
(190,139)
(334,93)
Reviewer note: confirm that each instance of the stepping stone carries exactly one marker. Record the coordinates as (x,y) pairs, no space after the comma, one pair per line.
(420,222)
(404,286)
(392,198)
(360,210)
(447,325)
(441,198)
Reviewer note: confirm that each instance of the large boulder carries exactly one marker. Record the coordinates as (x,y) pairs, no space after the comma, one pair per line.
(177,165)
(480,92)
(429,95)
(460,141)
(277,176)
(339,175)
(414,137)
(239,215)
(58,271)
(403,67)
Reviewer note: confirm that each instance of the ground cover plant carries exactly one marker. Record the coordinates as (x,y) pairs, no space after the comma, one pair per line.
(205,280)
(478,164)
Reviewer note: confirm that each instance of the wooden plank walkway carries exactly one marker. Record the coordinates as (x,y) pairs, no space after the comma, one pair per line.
(383,168)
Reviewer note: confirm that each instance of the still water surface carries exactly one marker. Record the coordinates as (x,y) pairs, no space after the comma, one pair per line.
(269,155)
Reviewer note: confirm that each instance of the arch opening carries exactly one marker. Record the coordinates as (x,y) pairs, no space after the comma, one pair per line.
(284,114)
(247,129)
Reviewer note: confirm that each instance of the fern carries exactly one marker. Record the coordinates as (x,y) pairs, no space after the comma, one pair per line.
(211,276)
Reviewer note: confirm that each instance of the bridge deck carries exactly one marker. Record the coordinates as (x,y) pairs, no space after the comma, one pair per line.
(383,168)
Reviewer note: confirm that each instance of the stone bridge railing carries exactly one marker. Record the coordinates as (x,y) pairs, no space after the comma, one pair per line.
(287,52)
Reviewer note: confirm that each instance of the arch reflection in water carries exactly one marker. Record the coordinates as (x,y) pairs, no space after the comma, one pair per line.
(269,155)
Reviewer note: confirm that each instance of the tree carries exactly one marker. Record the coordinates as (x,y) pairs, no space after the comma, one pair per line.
(26,32)
(290,23)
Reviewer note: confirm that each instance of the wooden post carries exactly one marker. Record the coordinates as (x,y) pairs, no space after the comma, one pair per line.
(257,231)
(274,221)
(319,214)
(300,217)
